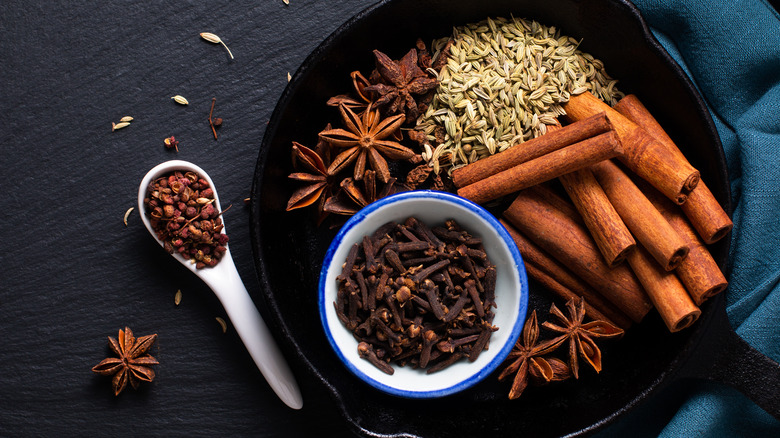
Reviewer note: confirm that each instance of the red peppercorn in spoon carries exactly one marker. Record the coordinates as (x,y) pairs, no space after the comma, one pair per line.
(218,271)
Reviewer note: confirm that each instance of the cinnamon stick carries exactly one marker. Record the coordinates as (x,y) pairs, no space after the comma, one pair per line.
(561,282)
(544,168)
(647,225)
(567,240)
(534,148)
(667,293)
(643,154)
(699,272)
(607,228)
(704,211)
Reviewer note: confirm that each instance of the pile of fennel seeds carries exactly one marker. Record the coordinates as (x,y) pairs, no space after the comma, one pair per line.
(504,83)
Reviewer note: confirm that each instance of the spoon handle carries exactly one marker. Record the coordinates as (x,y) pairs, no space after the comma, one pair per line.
(255,334)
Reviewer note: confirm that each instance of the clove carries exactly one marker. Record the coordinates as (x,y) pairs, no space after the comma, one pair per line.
(416,295)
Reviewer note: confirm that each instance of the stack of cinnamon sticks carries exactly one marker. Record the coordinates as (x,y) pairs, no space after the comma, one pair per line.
(632,234)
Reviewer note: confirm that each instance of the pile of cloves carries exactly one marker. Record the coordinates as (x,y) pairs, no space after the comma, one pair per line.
(418,295)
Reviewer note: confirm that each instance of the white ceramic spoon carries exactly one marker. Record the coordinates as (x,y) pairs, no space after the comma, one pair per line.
(224,280)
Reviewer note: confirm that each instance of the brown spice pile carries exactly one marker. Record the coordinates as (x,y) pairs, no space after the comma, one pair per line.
(182,213)
(417,295)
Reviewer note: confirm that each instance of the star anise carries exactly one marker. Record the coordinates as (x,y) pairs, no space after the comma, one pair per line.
(581,335)
(365,141)
(132,364)
(318,181)
(528,363)
(400,81)
(354,196)
(359,103)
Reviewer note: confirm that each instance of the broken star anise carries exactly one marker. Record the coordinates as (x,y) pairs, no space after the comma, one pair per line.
(528,363)
(581,335)
(359,103)
(317,181)
(424,177)
(354,195)
(365,142)
(132,364)
(400,81)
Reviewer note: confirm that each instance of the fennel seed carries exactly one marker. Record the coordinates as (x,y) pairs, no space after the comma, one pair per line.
(222,324)
(120,125)
(504,82)
(210,37)
(127,214)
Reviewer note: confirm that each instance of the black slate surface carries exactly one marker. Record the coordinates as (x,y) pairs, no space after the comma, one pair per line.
(72,273)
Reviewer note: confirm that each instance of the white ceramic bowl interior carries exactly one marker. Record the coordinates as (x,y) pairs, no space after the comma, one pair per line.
(433,208)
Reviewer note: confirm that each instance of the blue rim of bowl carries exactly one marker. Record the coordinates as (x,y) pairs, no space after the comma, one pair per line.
(518,262)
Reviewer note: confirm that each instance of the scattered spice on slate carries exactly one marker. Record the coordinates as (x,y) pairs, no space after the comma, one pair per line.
(123,123)
(210,37)
(127,214)
(171,143)
(182,213)
(120,125)
(132,365)
(222,324)
(177,297)
(180,100)
(214,122)
(418,295)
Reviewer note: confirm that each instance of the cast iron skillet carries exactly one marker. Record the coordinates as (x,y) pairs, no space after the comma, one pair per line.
(289,248)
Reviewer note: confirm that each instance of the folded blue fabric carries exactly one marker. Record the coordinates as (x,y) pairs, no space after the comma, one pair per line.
(731,51)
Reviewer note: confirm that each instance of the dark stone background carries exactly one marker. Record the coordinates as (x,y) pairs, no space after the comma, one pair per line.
(72,273)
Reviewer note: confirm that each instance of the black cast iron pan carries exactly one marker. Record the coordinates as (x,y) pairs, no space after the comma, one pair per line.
(289,247)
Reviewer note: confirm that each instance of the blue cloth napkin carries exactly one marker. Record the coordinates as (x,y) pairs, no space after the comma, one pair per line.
(731,51)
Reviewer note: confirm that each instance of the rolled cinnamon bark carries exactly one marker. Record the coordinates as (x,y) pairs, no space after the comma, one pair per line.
(567,240)
(699,272)
(544,168)
(709,219)
(647,225)
(704,211)
(561,282)
(605,225)
(554,139)
(643,154)
(667,293)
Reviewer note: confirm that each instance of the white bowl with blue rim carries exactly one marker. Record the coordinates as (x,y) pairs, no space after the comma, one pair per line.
(432,208)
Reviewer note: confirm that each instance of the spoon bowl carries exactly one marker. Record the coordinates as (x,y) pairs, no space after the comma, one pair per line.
(226,283)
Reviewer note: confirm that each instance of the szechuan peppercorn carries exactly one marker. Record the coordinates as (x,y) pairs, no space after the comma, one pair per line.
(180,206)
